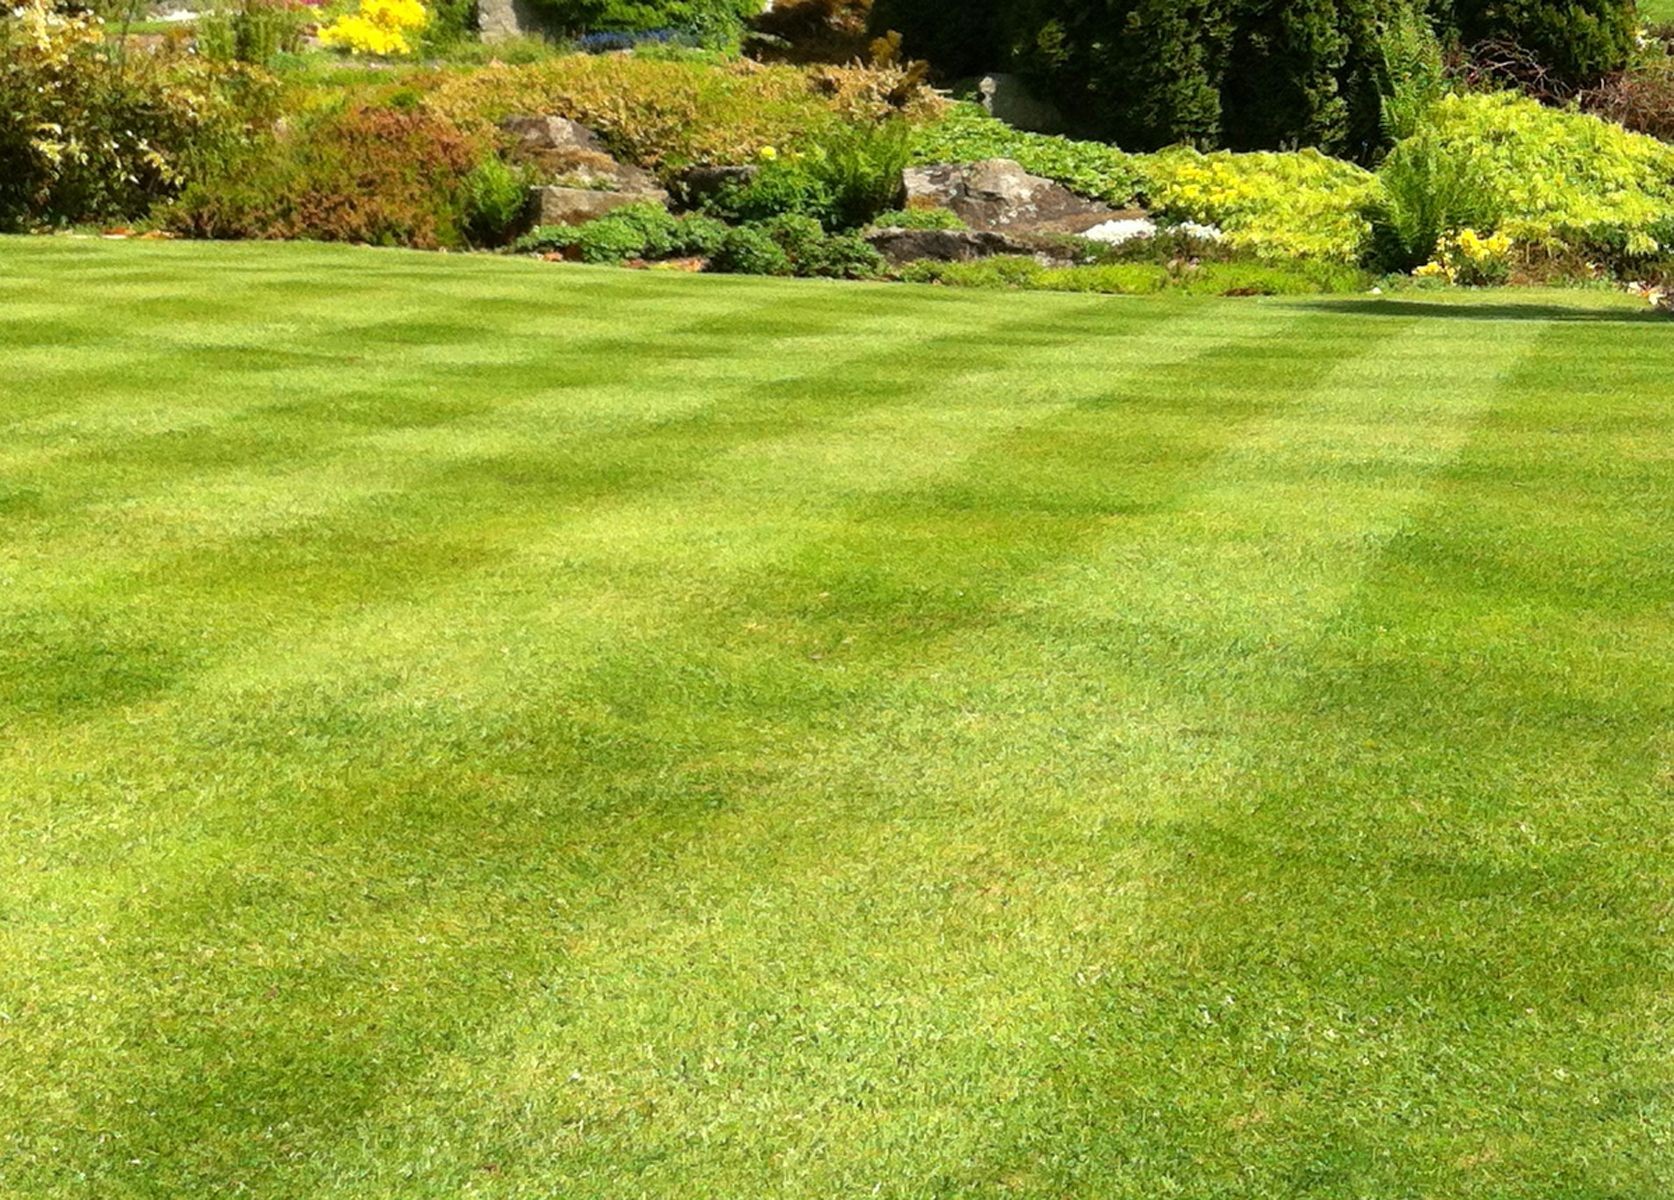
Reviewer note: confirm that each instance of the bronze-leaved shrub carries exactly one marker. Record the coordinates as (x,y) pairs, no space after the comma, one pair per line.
(381,176)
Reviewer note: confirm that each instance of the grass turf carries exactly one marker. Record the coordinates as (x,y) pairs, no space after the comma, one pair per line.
(474,728)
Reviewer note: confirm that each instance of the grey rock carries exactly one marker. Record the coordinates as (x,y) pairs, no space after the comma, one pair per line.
(573,206)
(1007,98)
(998,194)
(498,20)
(945,245)
(697,184)
(539,134)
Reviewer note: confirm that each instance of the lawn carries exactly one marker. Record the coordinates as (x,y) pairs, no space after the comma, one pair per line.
(480,728)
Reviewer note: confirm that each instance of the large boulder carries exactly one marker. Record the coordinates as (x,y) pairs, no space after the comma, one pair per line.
(966,245)
(998,194)
(574,206)
(583,180)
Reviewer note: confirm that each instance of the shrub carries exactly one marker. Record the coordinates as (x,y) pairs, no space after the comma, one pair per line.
(967,134)
(365,174)
(253,31)
(715,21)
(86,136)
(1576,41)
(751,250)
(961,37)
(793,244)
(1272,204)
(843,178)
(813,30)
(1546,177)
(496,195)
(1642,99)
(1470,260)
(656,113)
(386,28)
(637,231)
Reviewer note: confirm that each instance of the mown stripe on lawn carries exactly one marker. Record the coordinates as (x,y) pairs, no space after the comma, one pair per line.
(220,901)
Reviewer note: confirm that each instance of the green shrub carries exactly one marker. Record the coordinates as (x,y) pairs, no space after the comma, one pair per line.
(496,197)
(1547,177)
(637,231)
(751,250)
(706,18)
(89,135)
(1578,41)
(843,177)
(967,134)
(250,31)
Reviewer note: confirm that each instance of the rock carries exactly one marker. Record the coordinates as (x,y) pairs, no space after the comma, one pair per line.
(572,206)
(959,245)
(498,20)
(697,184)
(998,194)
(540,135)
(574,160)
(1007,98)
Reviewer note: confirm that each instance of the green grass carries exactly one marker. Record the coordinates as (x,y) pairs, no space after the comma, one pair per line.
(1657,11)
(480,728)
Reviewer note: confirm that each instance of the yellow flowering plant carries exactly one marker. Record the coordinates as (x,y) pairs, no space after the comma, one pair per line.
(1470,259)
(385,28)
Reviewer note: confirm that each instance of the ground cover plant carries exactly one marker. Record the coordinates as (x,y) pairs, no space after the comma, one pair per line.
(483,728)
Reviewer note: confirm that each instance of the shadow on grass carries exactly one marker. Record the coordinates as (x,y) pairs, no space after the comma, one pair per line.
(1486,312)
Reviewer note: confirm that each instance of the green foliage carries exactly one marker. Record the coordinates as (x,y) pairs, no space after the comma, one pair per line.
(720,19)
(637,231)
(1577,40)
(794,244)
(365,174)
(666,114)
(1547,177)
(1273,204)
(1221,278)
(967,134)
(91,134)
(751,250)
(250,31)
(920,218)
(844,177)
(496,197)
(1414,73)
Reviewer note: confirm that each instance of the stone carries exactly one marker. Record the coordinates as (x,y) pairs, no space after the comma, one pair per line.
(1007,98)
(998,194)
(953,245)
(573,206)
(500,20)
(574,159)
(697,184)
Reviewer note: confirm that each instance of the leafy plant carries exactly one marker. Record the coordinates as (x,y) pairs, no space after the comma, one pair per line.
(636,231)
(366,174)
(751,250)
(1272,204)
(496,195)
(967,134)
(251,31)
(90,135)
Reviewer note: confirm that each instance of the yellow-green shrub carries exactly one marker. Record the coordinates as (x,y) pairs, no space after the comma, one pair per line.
(1276,205)
(663,113)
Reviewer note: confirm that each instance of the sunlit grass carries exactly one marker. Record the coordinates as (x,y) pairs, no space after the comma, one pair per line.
(479,728)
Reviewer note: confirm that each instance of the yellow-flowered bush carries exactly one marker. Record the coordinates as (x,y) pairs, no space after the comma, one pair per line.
(386,28)
(1470,259)
(88,135)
